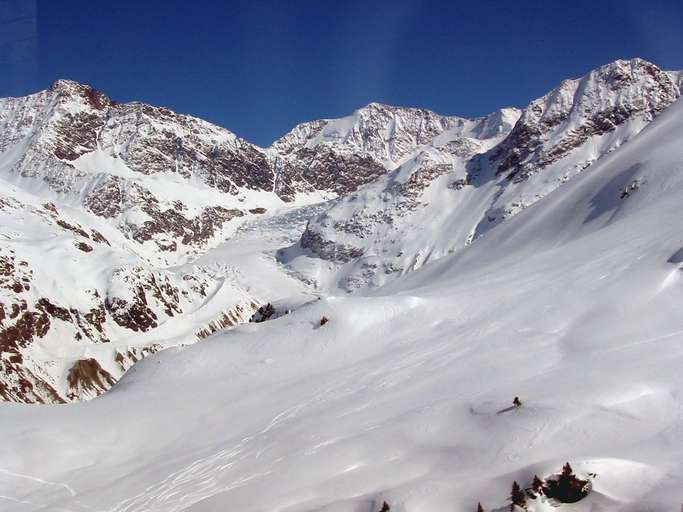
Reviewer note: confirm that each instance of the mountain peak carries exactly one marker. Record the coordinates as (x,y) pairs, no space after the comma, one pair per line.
(629,70)
(633,61)
(376,107)
(607,97)
(65,84)
(72,89)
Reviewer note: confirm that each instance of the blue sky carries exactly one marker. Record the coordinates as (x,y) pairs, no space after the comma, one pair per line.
(259,67)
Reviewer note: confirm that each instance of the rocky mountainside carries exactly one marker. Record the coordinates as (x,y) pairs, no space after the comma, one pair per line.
(170,183)
(553,126)
(445,196)
(78,307)
(108,210)
(113,194)
(173,184)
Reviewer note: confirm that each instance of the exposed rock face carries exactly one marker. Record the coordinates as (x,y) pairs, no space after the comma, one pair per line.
(328,249)
(263,313)
(89,148)
(387,134)
(126,359)
(87,379)
(324,169)
(230,318)
(19,326)
(339,155)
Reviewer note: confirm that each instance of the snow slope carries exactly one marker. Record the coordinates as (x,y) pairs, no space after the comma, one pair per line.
(573,304)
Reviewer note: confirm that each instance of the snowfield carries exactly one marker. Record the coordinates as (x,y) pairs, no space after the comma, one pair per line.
(573,304)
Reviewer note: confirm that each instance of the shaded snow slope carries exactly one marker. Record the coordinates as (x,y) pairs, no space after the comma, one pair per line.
(573,305)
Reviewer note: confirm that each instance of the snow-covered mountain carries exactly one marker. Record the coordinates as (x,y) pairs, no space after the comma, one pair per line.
(403,396)
(128,228)
(124,197)
(458,186)
(98,199)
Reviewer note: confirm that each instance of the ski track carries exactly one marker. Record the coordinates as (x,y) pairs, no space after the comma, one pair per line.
(67,487)
(207,476)
(44,483)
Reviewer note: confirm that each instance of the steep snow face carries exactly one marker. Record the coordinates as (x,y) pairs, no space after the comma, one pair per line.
(573,305)
(445,197)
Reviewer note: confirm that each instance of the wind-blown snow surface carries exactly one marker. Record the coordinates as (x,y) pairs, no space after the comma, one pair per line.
(573,305)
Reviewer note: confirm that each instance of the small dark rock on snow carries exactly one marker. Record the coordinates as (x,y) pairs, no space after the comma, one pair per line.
(263,313)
